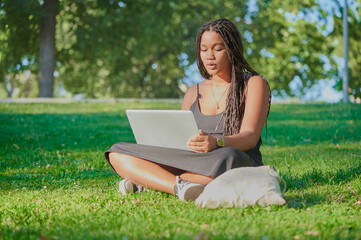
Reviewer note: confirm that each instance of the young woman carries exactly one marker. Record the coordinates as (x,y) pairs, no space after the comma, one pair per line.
(230,107)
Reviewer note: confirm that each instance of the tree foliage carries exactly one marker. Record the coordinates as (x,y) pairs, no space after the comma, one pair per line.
(354,48)
(284,49)
(19,40)
(140,48)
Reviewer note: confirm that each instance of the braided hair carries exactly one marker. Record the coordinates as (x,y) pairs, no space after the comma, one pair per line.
(235,103)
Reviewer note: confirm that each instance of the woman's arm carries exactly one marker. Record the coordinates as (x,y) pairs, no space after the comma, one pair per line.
(255,115)
(254,118)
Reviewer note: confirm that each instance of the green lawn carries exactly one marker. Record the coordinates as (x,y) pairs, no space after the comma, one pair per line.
(56,184)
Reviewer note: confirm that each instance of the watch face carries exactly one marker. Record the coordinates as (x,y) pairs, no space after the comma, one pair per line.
(220,142)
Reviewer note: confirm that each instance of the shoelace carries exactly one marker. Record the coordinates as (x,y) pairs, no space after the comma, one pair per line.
(177,181)
(140,189)
(176,188)
(180,183)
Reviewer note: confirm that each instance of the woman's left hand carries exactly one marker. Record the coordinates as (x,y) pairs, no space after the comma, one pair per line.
(202,143)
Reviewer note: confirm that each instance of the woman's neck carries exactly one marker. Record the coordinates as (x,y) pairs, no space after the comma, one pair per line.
(220,80)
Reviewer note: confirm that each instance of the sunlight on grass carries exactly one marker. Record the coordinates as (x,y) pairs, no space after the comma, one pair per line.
(55,182)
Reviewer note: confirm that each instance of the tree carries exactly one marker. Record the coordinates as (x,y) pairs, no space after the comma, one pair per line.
(354,45)
(309,46)
(28,27)
(153,36)
(140,48)
(286,46)
(127,50)
(19,42)
(47,48)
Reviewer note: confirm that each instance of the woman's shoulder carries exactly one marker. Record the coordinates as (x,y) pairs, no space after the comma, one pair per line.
(189,97)
(255,80)
(248,76)
(258,80)
(193,90)
(257,85)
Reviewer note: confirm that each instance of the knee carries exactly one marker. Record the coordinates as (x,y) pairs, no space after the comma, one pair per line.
(119,160)
(113,158)
(125,162)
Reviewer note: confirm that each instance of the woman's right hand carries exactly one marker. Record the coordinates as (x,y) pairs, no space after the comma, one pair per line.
(202,143)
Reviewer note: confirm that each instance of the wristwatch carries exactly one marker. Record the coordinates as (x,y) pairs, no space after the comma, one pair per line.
(220,142)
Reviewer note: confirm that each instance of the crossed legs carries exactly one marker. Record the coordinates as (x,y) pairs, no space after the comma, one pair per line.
(152,175)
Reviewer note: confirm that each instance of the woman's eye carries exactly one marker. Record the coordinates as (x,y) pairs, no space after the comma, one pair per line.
(203,50)
(218,49)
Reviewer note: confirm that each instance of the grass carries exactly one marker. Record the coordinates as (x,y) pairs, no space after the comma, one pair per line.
(56,184)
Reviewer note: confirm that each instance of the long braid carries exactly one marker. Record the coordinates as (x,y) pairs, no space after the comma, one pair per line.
(235,103)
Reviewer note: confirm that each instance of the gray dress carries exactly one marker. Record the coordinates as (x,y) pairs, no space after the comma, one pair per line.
(209,164)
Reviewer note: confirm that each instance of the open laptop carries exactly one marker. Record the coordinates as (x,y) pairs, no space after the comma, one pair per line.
(163,128)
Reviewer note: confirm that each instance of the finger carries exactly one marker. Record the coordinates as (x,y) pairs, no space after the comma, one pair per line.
(202,133)
(201,150)
(197,149)
(195,143)
(198,139)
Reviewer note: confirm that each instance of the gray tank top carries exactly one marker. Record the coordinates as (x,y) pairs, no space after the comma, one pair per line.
(208,124)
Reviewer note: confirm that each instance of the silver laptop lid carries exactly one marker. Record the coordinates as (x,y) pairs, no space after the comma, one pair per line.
(163,128)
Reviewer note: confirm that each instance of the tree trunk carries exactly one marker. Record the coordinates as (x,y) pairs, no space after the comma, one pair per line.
(9,85)
(47,49)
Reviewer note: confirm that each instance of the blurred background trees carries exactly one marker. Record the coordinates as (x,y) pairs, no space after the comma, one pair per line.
(141,48)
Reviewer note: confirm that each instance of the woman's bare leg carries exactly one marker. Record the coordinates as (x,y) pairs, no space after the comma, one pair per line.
(152,175)
(196,178)
(145,173)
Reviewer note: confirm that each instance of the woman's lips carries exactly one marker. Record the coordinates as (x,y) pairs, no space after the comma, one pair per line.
(211,66)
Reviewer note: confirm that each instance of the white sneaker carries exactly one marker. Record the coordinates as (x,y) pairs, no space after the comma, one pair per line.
(126,186)
(186,191)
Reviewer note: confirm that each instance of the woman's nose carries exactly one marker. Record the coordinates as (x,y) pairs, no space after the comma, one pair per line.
(210,55)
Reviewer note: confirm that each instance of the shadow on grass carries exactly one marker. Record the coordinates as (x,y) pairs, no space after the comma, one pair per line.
(317,177)
(305,200)
(92,129)
(63,131)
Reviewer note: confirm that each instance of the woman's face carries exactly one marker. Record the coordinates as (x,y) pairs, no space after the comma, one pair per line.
(214,55)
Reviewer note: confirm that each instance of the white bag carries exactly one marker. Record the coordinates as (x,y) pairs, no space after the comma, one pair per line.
(242,187)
